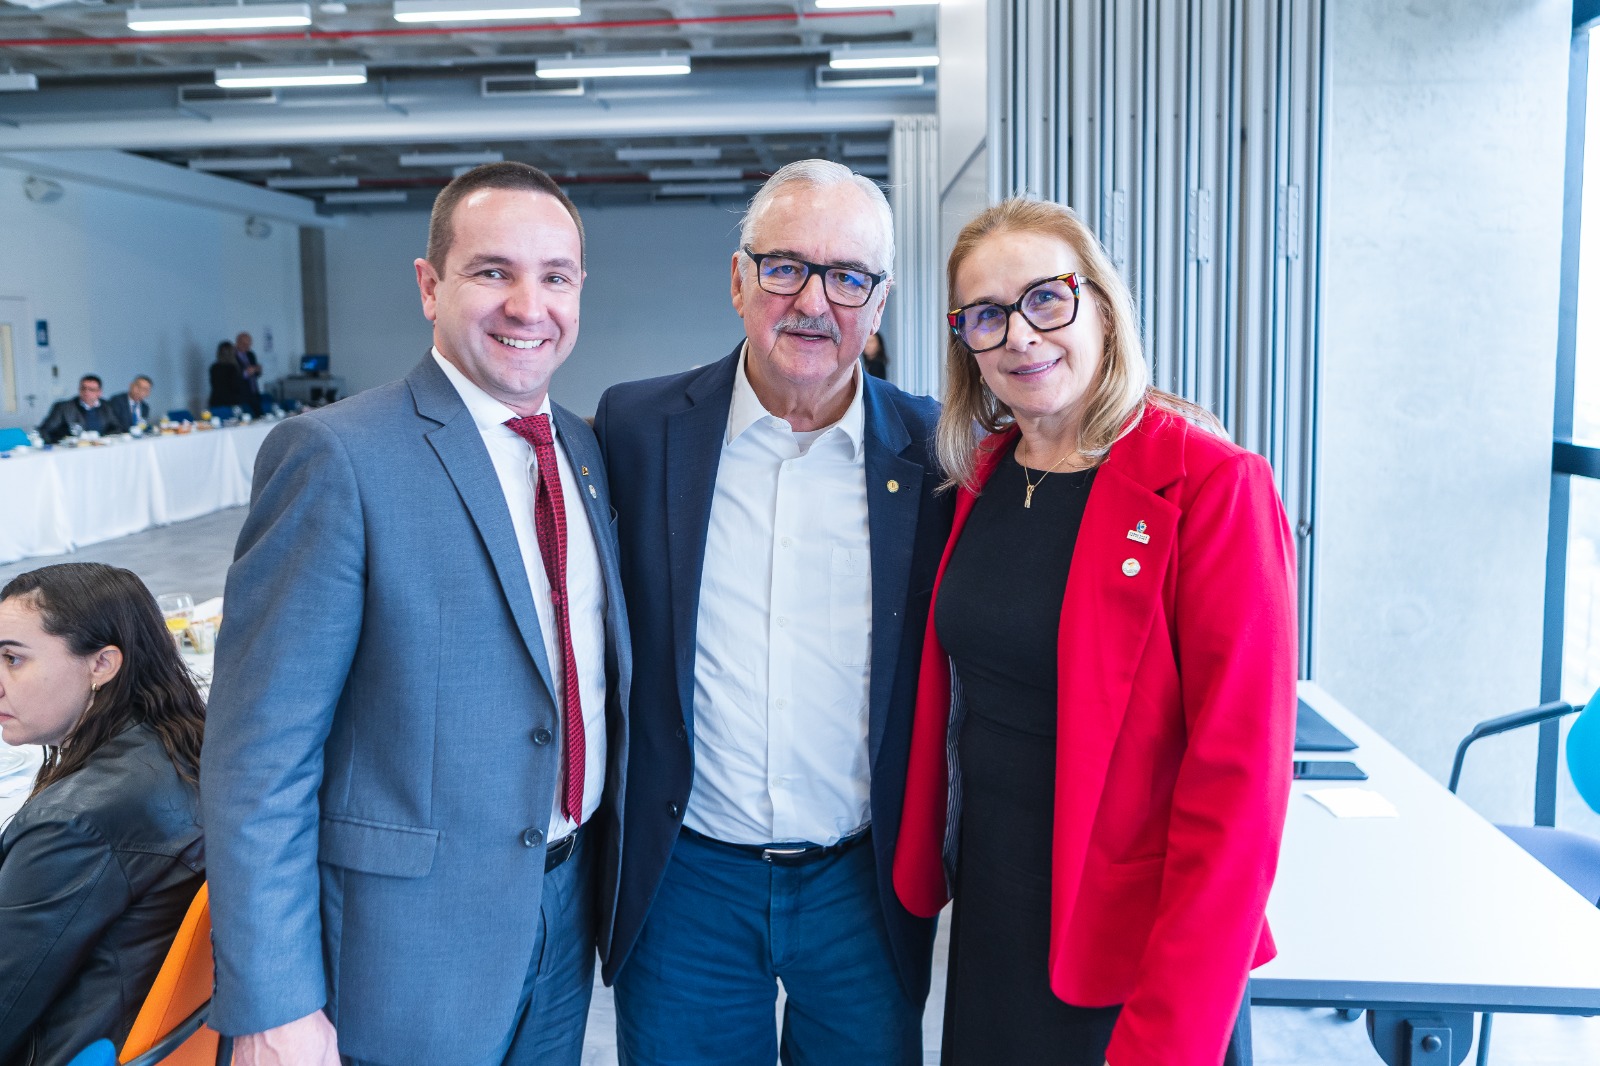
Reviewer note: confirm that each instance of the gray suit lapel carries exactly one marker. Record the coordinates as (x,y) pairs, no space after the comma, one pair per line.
(894,496)
(460,448)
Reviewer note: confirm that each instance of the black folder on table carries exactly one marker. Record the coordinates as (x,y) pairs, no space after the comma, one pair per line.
(1312,732)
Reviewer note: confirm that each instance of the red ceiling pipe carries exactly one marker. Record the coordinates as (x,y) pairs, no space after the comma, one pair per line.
(429,31)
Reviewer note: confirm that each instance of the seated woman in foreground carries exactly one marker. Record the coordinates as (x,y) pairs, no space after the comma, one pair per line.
(102,861)
(1115,618)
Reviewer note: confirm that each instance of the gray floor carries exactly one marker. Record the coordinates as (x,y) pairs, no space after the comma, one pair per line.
(193,557)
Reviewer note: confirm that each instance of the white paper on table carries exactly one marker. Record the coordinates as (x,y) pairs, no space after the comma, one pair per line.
(209,609)
(1354,802)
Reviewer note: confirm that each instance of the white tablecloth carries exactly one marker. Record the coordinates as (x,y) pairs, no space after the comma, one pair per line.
(52,502)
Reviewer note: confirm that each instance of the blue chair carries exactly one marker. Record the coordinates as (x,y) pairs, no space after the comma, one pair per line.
(1573,857)
(180,414)
(12,438)
(99,1053)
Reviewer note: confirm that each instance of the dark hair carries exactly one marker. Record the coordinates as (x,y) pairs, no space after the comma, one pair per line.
(144,378)
(93,606)
(441,224)
(226,349)
(90,377)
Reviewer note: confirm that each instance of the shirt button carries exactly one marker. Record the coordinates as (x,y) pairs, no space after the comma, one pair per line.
(541,736)
(532,838)
(673,809)
(780,703)
(782,621)
(785,542)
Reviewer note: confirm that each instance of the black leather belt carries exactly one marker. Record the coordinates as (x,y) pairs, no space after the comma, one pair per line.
(561,850)
(787,854)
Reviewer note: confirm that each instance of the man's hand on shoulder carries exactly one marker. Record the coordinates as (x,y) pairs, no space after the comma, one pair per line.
(308,1041)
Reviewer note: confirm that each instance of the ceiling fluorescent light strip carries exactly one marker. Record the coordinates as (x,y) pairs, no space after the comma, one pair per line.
(863,59)
(696,174)
(242,163)
(376,196)
(703,188)
(828,78)
(479,10)
(332,181)
(449,159)
(858,5)
(218,17)
(262,77)
(696,154)
(620,66)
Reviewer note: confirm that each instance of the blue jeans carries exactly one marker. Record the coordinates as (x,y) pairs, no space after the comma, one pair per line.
(700,986)
(554,1007)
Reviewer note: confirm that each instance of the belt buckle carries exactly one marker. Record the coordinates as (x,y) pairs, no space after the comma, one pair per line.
(779,854)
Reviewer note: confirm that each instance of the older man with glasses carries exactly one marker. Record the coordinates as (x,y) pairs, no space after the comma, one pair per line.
(779,532)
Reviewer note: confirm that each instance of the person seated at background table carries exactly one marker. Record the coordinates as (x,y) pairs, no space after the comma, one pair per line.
(1118,604)
(228,388)
(85,411)
(99,866)
(132,408)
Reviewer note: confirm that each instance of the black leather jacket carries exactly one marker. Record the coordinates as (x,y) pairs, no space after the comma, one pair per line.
(96,873)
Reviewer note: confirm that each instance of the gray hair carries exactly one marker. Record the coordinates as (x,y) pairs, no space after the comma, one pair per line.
(816,174)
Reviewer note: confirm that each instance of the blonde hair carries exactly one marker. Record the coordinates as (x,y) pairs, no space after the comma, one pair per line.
(1121,387)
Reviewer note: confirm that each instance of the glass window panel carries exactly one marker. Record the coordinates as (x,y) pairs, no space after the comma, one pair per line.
(1586,396)
(1580,660)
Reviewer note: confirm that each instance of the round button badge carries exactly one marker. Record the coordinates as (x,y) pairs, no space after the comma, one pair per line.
(1130,567)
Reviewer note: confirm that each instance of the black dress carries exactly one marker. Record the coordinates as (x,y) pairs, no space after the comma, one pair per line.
(998,614)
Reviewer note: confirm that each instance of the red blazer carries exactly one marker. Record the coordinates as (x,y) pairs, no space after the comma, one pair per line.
(1175,736)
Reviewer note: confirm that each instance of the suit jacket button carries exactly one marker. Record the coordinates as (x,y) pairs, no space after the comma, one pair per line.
(532,838)
(682,733)
(674,810)
(541,736)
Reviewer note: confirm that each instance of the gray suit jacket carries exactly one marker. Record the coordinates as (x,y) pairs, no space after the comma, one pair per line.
(370,774)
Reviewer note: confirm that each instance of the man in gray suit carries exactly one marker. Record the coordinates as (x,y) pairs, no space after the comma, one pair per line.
(415,745)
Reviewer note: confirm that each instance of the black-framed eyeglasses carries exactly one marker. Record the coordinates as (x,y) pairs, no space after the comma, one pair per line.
(1048,304)
(784,275)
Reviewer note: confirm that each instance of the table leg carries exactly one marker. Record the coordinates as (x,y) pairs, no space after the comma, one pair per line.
(1407,1038)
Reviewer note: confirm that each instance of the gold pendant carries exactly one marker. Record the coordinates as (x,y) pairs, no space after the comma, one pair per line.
(1027,501)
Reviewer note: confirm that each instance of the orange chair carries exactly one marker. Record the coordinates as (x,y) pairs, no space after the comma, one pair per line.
(170,1027)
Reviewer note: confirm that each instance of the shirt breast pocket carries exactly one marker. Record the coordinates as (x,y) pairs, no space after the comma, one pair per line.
(850,605)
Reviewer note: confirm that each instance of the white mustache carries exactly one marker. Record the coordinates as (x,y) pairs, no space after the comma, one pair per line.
(798,323)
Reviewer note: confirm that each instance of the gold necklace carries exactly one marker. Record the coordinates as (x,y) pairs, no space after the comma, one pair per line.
(1027,500)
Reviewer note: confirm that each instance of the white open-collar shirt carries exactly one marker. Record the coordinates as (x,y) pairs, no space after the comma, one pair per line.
(784,627)
(517,468)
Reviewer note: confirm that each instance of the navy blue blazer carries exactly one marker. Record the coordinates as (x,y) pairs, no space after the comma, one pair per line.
(662,440)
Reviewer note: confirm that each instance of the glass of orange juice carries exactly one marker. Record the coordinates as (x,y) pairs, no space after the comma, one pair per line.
(177,608)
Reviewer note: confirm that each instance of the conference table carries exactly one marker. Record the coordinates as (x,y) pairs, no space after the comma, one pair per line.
(1421,919)
(59,499)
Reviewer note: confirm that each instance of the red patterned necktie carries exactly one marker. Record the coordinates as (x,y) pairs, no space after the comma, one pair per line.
(550,524)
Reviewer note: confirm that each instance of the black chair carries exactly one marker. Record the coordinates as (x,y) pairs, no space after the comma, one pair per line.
(1573,857)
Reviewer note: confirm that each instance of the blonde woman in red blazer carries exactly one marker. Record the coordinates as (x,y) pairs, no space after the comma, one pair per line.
(1115,617)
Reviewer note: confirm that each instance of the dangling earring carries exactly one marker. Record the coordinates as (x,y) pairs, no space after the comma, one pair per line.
(94,690)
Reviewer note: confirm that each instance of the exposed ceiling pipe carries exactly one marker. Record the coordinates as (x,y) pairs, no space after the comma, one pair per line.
(433,31)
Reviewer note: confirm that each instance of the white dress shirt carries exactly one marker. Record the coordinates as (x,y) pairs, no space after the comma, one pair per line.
(518,470)
(785,623)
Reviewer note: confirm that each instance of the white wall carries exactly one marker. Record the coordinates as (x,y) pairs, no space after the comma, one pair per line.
(135,284)
(655,301)
(1445,141)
